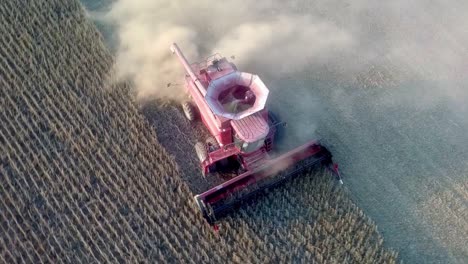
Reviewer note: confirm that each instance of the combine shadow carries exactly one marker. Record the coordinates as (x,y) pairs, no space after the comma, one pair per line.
(178,136)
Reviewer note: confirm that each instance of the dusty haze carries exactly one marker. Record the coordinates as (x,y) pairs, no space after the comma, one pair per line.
(281,38)
(253,32)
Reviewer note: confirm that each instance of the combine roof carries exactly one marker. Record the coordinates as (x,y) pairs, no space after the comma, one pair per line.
(251,128)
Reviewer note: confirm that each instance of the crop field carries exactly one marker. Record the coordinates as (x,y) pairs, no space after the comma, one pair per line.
(391,104)
(84,178)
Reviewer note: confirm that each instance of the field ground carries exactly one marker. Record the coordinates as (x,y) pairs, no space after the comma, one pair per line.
(400,139)
(83,177)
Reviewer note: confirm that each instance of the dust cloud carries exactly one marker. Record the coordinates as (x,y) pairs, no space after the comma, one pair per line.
(253,32)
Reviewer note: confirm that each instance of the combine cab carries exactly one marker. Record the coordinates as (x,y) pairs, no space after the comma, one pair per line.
(231,104)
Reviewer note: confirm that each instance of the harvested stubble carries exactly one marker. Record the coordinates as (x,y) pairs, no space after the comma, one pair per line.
(83,178)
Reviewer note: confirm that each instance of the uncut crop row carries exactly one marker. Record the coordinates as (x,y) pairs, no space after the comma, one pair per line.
(84,179)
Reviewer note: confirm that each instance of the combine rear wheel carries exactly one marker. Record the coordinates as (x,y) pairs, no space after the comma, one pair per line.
(202,154)
(189,110)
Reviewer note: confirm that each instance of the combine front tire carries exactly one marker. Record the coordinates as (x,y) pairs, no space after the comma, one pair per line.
(202,154)
(189,110)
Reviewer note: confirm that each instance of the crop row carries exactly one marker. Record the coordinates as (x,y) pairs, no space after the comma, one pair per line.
(84,179)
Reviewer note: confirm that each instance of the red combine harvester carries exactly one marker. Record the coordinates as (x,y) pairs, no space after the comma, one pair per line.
(231,105)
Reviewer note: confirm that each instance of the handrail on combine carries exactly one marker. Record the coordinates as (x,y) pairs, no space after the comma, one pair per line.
(175,50)
(228,150)
(206,62)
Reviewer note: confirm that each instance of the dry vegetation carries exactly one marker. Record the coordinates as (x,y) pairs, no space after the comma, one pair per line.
(83,178)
